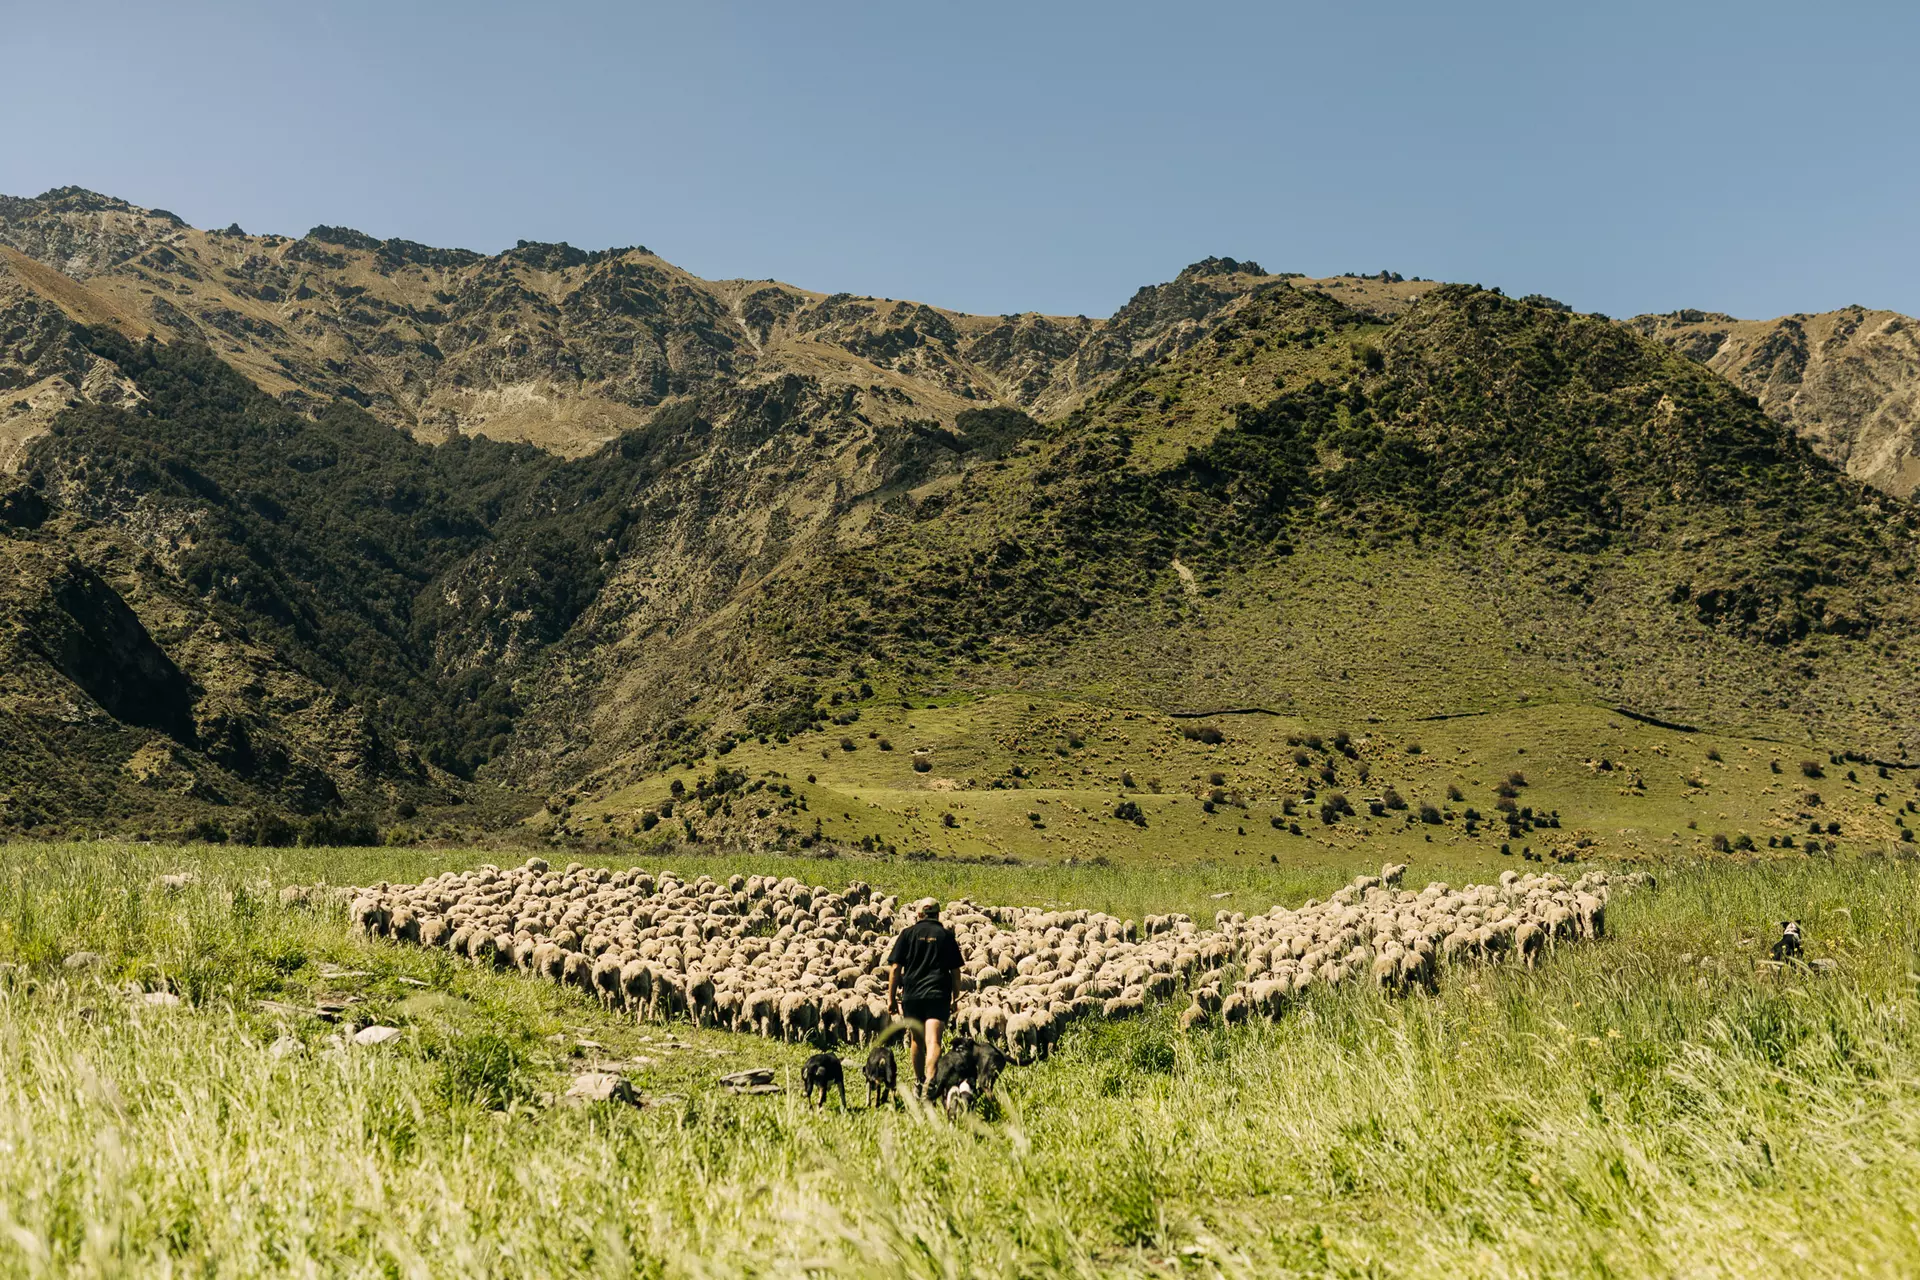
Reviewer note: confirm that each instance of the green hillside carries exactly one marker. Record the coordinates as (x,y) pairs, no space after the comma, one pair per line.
(1483,523)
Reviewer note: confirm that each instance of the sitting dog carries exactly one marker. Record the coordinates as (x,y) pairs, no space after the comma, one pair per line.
(1788,949)
(823,1071)
(973,1063)
(883,1076)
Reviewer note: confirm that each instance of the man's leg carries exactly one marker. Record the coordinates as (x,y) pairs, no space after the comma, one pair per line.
(916,1046)
(934,1027)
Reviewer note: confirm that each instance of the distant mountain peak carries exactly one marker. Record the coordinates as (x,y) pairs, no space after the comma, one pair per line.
(71,199)
(1220,267)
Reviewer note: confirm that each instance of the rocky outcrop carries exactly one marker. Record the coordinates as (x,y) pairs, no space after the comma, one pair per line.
(1848,381)
(90,636)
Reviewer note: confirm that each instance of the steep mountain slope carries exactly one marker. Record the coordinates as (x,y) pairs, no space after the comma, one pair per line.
(44,365)
(565,348)
(233,591)
(1485,505)
(1847,380)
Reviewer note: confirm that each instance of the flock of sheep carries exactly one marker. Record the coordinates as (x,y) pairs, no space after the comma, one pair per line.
(778,957)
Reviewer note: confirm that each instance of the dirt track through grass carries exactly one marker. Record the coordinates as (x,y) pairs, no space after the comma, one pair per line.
(1627,1109)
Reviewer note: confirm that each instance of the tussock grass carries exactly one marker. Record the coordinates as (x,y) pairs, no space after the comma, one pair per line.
(1627,1109)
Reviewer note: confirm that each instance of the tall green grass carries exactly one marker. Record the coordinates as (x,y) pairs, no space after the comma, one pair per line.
(1624,1110)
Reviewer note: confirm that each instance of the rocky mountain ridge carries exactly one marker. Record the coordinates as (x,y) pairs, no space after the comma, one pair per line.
(1846,380)
(567,348)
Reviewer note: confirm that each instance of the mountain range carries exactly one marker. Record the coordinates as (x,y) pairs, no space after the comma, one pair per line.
(331,534)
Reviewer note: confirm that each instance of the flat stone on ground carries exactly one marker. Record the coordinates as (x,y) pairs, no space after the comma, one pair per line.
(602,1086)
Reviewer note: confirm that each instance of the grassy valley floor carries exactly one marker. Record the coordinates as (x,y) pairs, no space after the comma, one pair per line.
(1656,1103)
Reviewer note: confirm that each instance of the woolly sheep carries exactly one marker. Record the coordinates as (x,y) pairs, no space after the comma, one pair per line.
(668,947)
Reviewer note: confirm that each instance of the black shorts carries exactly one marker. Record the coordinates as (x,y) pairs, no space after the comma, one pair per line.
(932,1009)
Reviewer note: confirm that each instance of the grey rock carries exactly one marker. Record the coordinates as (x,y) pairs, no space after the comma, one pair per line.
(368,1036)
(602,1086)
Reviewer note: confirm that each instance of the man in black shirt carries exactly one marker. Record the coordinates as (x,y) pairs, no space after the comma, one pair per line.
(922,982)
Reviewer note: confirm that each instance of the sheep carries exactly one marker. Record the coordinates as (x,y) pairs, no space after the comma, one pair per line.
(799,1014)
(1528,940)
(604,979)
(1590,915)
(762,1009)
(1386,969)
(636,982)
(369,916)
(781,958)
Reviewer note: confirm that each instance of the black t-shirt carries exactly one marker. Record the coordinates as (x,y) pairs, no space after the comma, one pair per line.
(927,953)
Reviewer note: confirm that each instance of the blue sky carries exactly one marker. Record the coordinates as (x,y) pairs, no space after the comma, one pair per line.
(1757,158)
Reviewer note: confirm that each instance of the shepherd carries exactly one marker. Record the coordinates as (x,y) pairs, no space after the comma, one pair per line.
(923,978)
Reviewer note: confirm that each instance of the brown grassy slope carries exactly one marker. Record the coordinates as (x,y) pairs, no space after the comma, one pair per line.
(1848,381)
(44,367)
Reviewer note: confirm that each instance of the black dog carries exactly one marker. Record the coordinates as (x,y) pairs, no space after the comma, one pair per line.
(972,1063)
(823,1071)
(1788,949)
(883,1076)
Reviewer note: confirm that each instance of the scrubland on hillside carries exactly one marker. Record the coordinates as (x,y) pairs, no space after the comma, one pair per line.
(275,564)
(1659,1101)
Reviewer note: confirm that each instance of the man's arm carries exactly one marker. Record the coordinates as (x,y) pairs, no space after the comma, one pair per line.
(893,988)
(956,963)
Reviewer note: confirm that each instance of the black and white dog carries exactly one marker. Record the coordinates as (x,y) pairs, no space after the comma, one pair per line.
(1788,949)
(966,1073)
